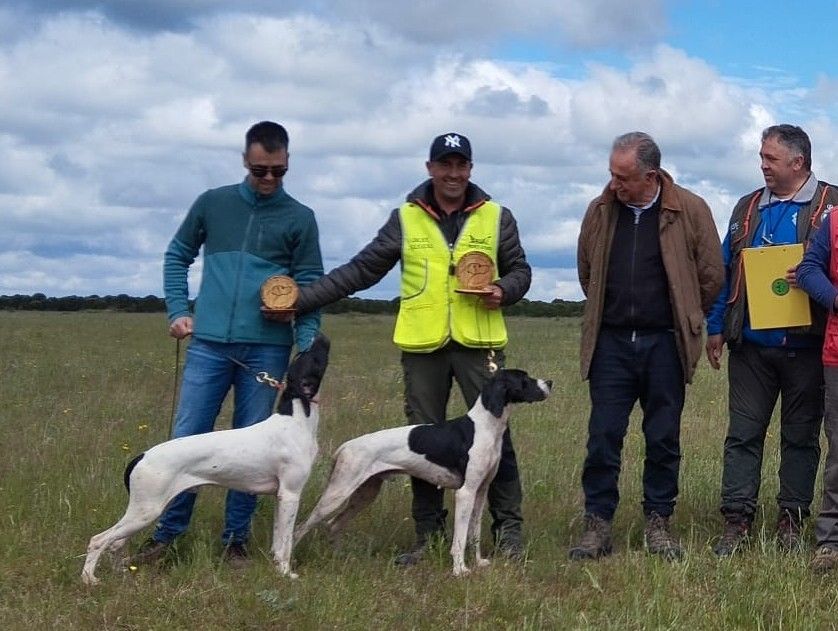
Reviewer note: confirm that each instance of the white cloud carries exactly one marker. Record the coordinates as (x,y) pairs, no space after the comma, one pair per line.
(108,132)
(552,283)
(583,23)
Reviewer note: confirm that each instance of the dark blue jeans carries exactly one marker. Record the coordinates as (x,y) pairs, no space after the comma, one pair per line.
(627,368)
(207,377)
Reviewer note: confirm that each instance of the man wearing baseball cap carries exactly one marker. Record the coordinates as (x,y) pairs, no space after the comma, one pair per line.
(444,334)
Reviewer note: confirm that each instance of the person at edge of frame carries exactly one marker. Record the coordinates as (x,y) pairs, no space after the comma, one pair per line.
(817,275)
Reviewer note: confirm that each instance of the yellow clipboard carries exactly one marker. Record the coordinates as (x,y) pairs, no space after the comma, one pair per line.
(772,302)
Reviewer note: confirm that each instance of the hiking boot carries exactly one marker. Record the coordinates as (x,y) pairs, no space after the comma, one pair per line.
(659,540)
(788,531)
(511,546)
(236,555)
(417,551)
(825,560)
(150,551)
(735,534)
(596,540)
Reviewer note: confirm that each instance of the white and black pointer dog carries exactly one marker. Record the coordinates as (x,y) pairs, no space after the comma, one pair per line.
(274,456)
(461,454)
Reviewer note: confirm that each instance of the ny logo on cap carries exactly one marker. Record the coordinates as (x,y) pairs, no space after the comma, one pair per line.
(452,140)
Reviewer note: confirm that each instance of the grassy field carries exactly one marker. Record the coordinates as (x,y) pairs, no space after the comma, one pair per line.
(81,393)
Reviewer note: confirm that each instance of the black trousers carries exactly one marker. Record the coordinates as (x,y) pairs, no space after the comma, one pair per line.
(758,375)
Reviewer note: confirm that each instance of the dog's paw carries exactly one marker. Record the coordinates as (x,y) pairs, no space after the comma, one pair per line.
(89,580)
(483,562)
(461,571)
(284,570)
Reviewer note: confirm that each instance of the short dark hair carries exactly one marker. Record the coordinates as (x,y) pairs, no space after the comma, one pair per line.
(648,152)
(794,138)
(272,136)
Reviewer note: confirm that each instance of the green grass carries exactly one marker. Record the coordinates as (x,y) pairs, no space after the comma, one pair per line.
(82,393)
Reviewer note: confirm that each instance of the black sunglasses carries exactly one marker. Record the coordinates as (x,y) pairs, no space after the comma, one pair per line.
(260,170)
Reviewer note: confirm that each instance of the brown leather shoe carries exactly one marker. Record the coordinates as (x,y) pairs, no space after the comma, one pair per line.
(659,539)
(236,556)
(150,551)
(789,531)
(736,532)
(825,560)
(596,540)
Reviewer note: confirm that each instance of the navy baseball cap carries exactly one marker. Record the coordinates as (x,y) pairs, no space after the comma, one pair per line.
(450,143)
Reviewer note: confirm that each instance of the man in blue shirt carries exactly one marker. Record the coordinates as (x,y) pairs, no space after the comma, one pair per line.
(764,364)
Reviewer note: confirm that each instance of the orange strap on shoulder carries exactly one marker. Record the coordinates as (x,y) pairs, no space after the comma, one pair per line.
(746,229)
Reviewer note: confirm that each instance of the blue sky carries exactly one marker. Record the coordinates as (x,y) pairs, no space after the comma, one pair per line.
(114,116)
(744,38)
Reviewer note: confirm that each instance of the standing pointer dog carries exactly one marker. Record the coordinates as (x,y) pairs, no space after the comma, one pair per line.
(460,454)
(274,456)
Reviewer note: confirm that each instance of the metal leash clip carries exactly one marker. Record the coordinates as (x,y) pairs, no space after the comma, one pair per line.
(490,363)
(263,377)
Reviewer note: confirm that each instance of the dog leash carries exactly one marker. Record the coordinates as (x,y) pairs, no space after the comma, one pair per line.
(175,388)
(261,377)
(491,364)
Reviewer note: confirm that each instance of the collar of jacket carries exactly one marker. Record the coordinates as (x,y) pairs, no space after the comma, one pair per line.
(669,199)
(803,196)
(421,195)
(253,198)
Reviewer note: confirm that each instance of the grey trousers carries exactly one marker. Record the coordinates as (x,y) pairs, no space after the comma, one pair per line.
(826,525)
(428,378)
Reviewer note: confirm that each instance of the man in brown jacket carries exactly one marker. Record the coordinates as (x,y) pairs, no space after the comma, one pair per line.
(650,265)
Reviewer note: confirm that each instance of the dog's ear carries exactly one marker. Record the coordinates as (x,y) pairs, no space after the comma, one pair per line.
(319,348)
(306,406)
(322,341)
(493,395)
(510,385)
(320,344)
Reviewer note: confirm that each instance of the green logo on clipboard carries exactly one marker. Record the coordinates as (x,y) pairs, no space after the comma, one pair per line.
(780,287)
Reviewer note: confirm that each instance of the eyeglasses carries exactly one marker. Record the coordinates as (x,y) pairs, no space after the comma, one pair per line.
(260,170)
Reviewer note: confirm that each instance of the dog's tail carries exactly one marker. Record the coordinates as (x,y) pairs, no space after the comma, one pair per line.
(126,478)
(335,459)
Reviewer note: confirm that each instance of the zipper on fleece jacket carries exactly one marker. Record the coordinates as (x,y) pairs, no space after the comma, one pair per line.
(239,273)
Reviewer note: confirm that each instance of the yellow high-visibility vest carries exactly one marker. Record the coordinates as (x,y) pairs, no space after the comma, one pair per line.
(431,313)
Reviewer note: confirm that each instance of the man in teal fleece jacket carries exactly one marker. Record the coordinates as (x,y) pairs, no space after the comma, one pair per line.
(249,232)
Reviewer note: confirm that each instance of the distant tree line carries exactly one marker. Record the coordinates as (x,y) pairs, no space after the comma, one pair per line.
(122,302)
(149,304)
